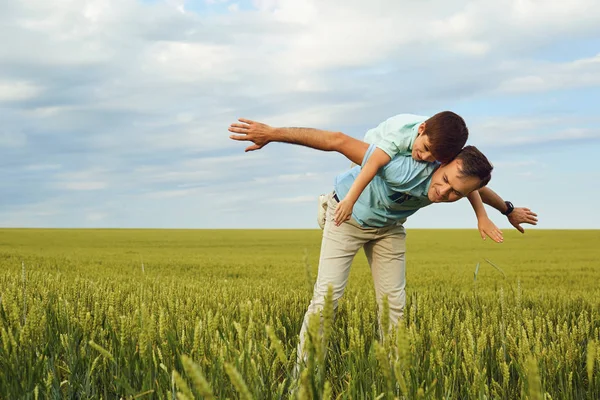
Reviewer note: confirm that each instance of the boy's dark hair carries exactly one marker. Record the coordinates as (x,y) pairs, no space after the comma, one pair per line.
(474,163)
(447,134)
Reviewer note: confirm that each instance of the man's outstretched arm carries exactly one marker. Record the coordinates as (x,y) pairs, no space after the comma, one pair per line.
(520,215)
(262,134)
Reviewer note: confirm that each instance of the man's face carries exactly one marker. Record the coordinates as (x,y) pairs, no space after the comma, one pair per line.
(447,185)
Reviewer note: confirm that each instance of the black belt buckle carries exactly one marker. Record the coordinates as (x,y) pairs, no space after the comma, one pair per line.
(335,197)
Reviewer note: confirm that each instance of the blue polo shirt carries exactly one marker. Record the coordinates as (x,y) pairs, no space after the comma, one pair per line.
(397,191)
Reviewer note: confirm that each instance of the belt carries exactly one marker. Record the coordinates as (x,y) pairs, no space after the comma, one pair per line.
(335,197)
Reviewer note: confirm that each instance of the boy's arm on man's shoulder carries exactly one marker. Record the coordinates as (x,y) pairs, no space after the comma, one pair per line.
(371,165)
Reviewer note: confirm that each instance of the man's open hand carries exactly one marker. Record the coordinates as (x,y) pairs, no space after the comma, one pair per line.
(521,215)
(251,131)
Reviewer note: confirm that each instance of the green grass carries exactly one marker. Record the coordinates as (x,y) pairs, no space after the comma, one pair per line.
(94,324)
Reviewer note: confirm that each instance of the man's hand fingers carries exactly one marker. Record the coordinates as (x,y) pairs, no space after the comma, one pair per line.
(237,130)
(253,147)
(246,121)
(239,126)
(239,137)
(519,228)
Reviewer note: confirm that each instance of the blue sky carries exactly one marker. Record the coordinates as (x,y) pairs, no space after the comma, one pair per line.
(115,113)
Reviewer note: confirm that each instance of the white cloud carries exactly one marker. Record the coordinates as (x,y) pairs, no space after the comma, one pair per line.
(10,139)
(96,216)
(288,178)
(17,91)
(506,125)
(190,62)
(543,77)
(43,167)
(517,131)
(179,176)
(566,135)
(514,164)
(83,180)
(313,116)
(36,214)
(167,194)
(83,185)
(293,200)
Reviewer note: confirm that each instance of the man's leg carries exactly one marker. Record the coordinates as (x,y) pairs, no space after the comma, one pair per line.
(338,248)
(386,255)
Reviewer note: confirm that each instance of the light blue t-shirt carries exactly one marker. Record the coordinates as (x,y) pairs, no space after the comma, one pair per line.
(397,191)
(396,135)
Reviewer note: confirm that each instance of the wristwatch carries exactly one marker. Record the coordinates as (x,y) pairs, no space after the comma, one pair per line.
(509,207)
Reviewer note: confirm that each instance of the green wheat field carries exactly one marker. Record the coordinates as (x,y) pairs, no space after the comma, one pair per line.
(182,314)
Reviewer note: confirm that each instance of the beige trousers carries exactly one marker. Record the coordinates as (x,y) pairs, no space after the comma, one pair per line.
(384,248)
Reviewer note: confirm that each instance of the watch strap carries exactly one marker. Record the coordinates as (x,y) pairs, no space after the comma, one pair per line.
(509,208)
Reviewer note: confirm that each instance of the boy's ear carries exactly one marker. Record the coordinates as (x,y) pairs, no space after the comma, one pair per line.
(421,129)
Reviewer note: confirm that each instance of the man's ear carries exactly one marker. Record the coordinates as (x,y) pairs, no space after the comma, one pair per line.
(421,128)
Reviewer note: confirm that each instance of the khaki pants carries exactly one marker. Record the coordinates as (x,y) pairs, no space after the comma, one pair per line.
(384,248)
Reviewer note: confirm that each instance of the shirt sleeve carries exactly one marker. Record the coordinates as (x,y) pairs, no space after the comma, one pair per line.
(368,155)
(394,135)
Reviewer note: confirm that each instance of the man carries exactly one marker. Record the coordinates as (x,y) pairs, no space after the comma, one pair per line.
(400,188)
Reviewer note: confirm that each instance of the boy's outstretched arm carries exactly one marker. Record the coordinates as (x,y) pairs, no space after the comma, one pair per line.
(519,215)
(378,159)
(484,223)
(261,134)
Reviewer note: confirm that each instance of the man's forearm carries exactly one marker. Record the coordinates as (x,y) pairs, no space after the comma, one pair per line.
(314,138)
(318,139)
(491,198)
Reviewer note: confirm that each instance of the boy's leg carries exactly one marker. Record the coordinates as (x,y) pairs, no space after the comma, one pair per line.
(338,248)
(386,256)
(322,209)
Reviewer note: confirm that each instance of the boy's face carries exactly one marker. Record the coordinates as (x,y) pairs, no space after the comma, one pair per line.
(421,148)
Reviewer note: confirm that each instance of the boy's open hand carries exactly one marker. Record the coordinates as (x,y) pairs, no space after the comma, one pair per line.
(487,227)
(251,131)
(343,212)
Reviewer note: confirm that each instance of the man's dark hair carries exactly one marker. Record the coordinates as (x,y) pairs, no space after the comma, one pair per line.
(474,163)
(447,134)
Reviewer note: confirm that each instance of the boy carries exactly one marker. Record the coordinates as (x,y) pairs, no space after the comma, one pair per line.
(436,139)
